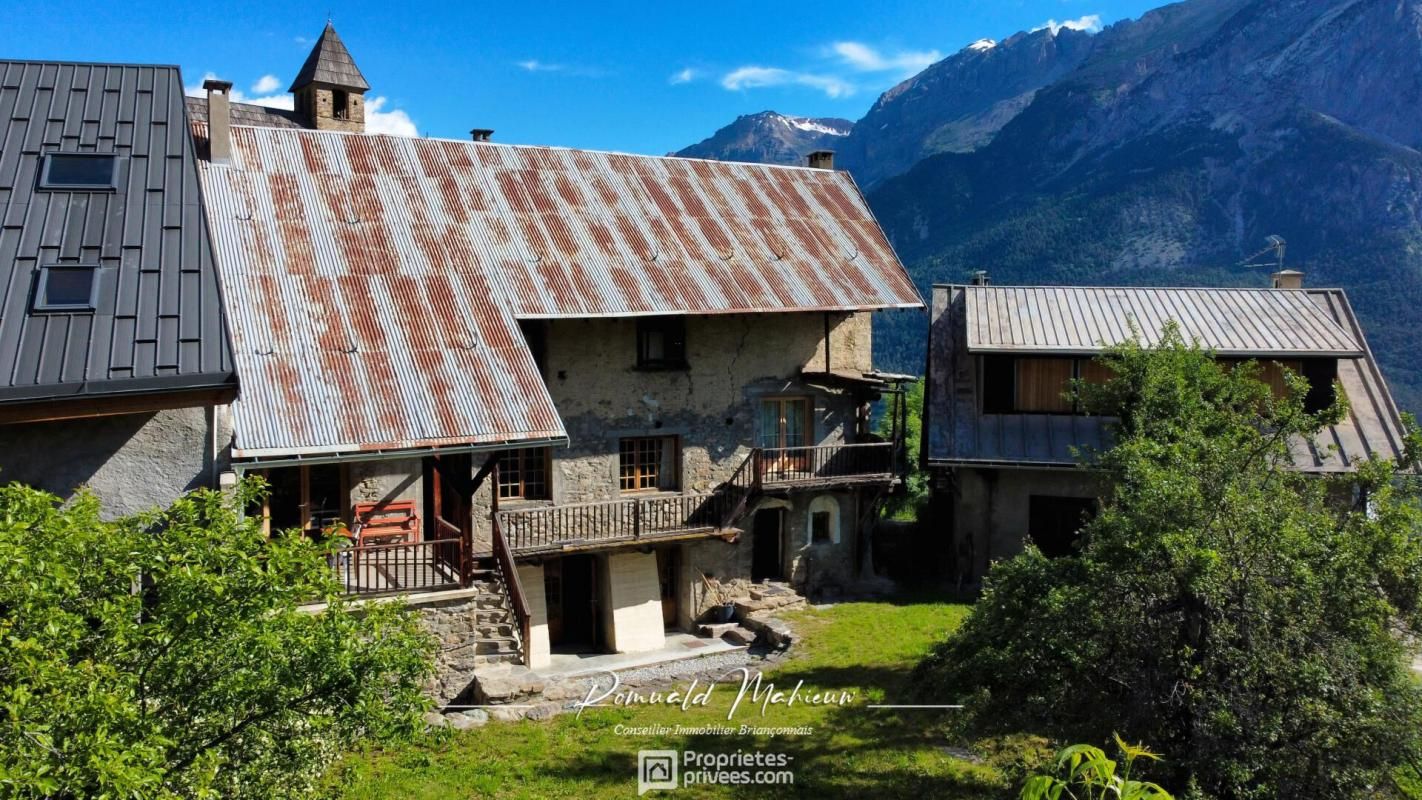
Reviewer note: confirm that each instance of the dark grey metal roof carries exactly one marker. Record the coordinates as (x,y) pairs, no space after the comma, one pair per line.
(158,323)
(330,63)
(1083,320)
(959,434)
(248,114)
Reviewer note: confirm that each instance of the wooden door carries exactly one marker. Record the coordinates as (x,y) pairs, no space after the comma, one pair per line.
(450,517)
(667,577)
(766,532)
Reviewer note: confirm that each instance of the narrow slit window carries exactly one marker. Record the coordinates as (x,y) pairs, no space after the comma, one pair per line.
(67,288)
(340,104)
(79,171)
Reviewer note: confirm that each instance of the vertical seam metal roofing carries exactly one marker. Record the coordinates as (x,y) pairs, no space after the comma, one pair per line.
(158,323)
(374,282)
(958,433)
(1046,319)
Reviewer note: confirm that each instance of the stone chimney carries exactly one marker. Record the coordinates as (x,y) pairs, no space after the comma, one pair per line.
(980,277)
(1287,279)
(482,134)
(219,120)
(822,159)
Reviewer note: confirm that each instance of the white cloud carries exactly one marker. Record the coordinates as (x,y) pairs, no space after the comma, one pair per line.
(395,122)
(862,57)
(754,77)
(1091,23)
(534,65)
(266,85)
(686,75)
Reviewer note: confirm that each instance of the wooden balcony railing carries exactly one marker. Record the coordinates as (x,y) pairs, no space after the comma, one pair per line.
(423,566)
(503,556)
(630,519)
(627,519)
(826,464)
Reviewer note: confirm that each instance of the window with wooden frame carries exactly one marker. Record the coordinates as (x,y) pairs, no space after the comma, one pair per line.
(1035,384)
(784,422)
(1319,372)
(523,474)
(647,463)
(311,499)
(661,342)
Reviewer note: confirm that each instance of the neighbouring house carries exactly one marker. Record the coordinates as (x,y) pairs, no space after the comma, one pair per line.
(603,392)
(115,365)
(999,433)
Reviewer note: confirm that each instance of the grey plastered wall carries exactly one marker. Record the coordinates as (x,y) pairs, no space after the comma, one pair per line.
(990,510)
(133,462)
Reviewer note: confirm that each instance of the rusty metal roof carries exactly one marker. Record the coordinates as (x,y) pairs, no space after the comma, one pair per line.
(375,282)
(1082,319)
(959,433)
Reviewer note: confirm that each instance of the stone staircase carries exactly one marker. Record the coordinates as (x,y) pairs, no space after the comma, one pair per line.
(496,628)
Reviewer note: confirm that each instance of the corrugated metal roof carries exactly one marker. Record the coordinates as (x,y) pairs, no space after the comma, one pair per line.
(158,324)
(1080,320)
(958,433)
(330,62)
(375,281)
(247,114)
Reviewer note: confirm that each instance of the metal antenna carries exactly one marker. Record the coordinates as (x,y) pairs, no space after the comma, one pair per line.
(1272,242)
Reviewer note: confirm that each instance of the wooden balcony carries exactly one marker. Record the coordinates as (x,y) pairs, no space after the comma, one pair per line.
(825,466)
(637,519)
(631,519)
(402,567)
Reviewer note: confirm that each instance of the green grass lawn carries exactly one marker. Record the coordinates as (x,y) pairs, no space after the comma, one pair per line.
(854,752)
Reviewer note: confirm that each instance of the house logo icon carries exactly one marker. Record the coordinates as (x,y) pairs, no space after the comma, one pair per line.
(656,769)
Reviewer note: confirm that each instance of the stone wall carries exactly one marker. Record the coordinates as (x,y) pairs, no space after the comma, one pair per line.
(734,361)
(387,481)
(133,462)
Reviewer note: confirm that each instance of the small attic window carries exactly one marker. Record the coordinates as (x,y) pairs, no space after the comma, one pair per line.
(79,171)
(67,288)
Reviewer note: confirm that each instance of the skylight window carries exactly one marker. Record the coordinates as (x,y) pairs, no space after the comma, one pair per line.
(67,288)
(79,171)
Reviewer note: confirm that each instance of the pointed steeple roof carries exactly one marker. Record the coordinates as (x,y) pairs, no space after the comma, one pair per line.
(330,63)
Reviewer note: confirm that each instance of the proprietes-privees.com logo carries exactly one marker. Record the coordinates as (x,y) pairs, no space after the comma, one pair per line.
(673,769)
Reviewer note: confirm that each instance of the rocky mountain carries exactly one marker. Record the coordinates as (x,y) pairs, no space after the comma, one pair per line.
(771,138)
(1178,144)
(1162,151)
(958,104)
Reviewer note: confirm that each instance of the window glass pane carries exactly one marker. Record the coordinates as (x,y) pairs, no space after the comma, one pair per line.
(67,287)
(1041,383)
(71,170)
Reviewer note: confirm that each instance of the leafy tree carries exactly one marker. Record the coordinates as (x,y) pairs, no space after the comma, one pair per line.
(1251,620)
(914,500)
(1090,775)
(164,655)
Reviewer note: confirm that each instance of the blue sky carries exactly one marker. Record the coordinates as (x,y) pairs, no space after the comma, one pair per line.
(639,77)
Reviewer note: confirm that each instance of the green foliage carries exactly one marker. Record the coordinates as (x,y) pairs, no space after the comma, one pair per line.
(165,655)
(913,502)
(1252,621)
(1090,775)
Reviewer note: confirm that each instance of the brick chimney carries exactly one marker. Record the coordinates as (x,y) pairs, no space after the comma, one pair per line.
(1287,279)
(822,159)
(219,120)
(482,134)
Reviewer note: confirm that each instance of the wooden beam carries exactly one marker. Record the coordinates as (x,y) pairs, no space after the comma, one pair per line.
(101,406)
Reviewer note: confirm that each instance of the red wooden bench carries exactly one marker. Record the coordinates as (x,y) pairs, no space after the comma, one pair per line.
(386,523)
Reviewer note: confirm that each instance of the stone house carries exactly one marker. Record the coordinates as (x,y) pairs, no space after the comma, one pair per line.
(115,365)
(1000,437)
(608,390)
